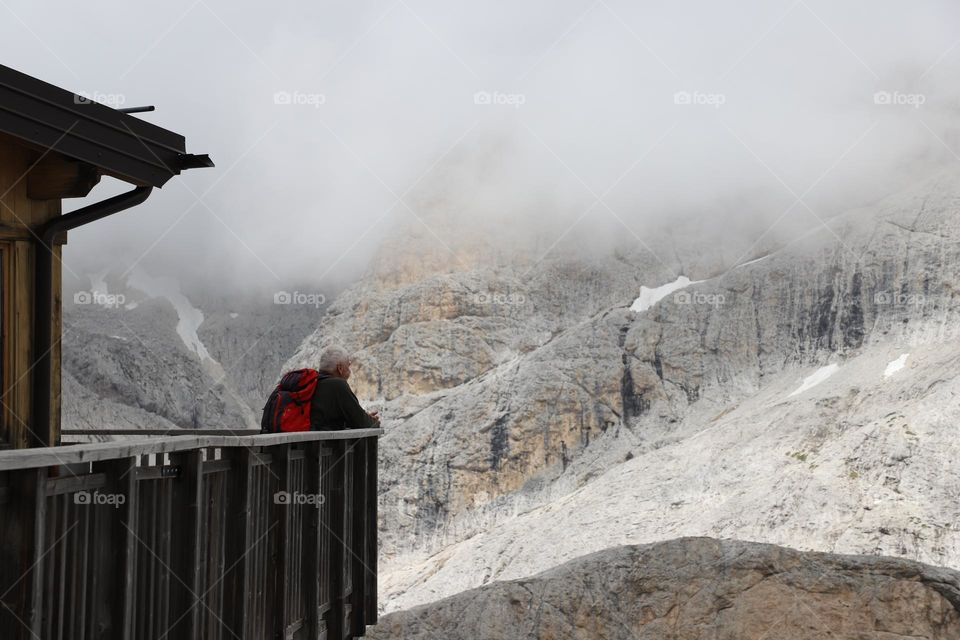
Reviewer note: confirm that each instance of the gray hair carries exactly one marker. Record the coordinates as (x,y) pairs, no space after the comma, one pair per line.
(331,357)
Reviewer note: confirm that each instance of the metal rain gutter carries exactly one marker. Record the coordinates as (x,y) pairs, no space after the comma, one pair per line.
(43,302)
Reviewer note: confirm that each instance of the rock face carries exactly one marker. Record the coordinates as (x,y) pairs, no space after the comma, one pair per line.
(551,402)
(525,401)
(159,359)
(135,358)
(695,588)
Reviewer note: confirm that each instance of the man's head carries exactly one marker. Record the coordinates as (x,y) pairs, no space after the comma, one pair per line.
(335,362)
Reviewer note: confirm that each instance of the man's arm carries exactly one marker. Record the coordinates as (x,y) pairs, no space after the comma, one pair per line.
(355,416)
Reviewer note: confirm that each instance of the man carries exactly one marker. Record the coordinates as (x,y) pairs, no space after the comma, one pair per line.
(334,405)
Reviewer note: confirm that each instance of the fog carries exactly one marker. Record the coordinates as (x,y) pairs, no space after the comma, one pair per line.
(332,123)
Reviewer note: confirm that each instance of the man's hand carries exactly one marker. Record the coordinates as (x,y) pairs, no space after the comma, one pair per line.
(374,414)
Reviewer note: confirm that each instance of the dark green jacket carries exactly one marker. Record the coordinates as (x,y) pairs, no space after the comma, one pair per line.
(334,406)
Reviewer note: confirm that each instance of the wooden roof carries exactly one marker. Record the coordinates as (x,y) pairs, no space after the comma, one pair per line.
(118,144)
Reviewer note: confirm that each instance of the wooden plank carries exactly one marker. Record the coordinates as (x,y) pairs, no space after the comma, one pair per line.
(101,573)
(158,472)
(238,540)
(11,168)
(14,163)
(311,546)
(72,484)
(22,214)
(57,334)
(80,453)
(56,177)
(20,342)
(281,551)
(335,477)
(123,554)
(21,570)
(216,466)
(161,432)
(372,550)
(186,545)
(11,431)
(358,543)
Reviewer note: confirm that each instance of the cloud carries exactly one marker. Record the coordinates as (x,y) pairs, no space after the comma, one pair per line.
(332,124)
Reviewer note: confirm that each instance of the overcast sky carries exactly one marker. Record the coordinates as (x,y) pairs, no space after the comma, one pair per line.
(330,122)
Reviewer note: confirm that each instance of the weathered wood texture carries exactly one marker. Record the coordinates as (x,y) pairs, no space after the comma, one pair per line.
(22,212)
(219,537)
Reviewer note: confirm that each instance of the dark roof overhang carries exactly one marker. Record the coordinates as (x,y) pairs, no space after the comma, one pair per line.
(118,144)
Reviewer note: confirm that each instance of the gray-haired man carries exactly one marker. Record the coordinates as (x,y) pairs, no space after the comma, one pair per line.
(334,405)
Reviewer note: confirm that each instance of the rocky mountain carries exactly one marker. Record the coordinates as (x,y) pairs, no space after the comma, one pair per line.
(140,353)
(796,390)
(700,588)
(547,398)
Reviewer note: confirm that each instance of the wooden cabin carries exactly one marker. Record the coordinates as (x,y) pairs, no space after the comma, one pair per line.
(54,145)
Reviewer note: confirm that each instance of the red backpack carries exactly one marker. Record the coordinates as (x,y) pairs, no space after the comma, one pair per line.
(288,407)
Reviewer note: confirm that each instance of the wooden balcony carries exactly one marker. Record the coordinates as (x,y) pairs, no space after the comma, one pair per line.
(198,536)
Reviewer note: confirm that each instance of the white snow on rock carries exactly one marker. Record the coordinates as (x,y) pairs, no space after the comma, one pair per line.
(825,493)
(189,316)
(649,297)
(816,378)
(234,315)
(896,365)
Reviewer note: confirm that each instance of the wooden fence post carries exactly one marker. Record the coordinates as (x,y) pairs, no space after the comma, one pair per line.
(239,526)
(21,536)
(335,479)
(311,543)
(280,552)
(187,541)
(358,541)
(371,497)
(122,479)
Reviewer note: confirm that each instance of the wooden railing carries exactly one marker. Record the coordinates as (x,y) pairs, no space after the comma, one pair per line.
(204,537)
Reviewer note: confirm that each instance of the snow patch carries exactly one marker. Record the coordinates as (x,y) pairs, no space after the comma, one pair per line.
(130,306)
(896,365)
(816,378)
(234,315)
(649,297)
(189,317)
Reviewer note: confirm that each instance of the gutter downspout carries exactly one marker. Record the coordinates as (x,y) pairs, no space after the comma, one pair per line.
(43,302)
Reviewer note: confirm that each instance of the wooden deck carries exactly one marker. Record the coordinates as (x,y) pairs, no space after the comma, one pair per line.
(209,536)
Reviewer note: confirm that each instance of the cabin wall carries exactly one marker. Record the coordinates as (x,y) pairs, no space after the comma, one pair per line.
(20,217)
